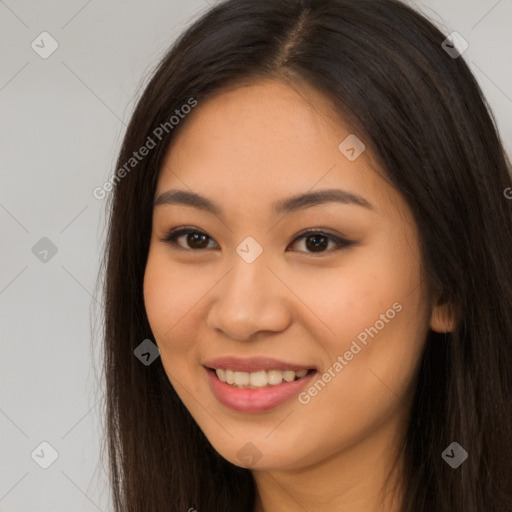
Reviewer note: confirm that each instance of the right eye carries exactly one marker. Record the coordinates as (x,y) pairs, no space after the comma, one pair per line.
(196,240)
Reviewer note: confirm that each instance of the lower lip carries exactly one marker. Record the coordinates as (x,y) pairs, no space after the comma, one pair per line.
(255,400)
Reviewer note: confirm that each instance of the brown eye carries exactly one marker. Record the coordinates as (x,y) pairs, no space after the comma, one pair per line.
(317,241)
(195,240)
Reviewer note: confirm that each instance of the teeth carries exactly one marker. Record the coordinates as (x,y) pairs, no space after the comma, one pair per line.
(230,376)
(288,375)
(274,377)
(257,379)
(261,379)
(242,379)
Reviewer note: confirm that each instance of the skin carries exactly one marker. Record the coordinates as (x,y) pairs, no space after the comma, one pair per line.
(244,149)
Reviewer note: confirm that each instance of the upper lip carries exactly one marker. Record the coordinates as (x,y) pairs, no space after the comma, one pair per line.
(253,364)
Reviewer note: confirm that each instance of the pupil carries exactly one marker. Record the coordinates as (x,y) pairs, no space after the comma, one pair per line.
(193,237)
(316,244)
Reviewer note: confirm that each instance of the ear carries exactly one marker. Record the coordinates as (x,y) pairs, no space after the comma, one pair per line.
(442,318)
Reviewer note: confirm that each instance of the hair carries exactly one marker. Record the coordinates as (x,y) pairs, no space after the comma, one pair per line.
(383,67)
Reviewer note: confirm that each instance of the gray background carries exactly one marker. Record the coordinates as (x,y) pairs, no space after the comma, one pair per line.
(62,120)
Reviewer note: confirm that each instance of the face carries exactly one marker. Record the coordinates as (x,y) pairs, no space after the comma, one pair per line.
(246,290)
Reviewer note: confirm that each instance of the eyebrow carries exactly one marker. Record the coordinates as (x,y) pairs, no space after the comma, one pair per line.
(291,204)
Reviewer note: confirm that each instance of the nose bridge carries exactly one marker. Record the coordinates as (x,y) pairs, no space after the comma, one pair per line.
(246,284)
(248,299)
(249,269)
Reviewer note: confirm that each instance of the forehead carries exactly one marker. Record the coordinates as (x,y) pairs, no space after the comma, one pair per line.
(263,142)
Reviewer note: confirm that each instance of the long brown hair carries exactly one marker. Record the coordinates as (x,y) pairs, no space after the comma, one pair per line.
(384,67)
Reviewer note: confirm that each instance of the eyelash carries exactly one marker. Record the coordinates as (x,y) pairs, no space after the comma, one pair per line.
(176,233)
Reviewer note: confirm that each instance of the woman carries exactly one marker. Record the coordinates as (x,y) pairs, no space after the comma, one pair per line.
(310,221)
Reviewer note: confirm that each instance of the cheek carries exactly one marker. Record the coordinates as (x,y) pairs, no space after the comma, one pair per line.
(340,303)
(169,298)
(373,314)
(377,326)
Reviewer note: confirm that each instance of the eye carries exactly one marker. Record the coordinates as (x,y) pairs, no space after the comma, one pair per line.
(316,241)
(196,239)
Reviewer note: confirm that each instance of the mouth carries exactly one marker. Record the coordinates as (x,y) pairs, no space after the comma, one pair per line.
(255,385)
(262,379)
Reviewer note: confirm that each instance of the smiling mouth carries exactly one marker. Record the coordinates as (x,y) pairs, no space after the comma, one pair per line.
(260,379)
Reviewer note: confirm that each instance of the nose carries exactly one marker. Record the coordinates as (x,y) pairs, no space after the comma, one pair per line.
(250,299)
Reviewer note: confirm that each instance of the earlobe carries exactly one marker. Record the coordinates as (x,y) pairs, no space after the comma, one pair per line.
(442,318)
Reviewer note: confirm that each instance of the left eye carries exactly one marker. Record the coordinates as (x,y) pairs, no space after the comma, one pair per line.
(315,241)
(193,237)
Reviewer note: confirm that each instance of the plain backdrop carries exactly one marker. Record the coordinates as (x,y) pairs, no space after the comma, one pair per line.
(62,120)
